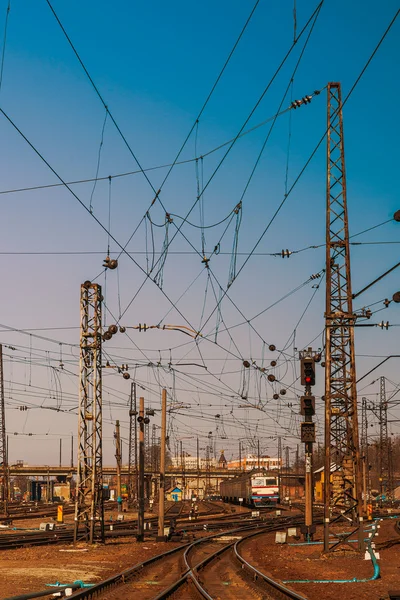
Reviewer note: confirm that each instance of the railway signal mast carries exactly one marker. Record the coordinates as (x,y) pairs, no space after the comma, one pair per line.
(307,409)
(342,481)
(132,449)
(89,504)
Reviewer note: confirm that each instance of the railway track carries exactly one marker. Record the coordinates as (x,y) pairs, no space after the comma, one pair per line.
(64,535)
(35,512)
(198,569)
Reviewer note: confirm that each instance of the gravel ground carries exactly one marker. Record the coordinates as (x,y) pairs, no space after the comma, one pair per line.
(28,569)
(284,562)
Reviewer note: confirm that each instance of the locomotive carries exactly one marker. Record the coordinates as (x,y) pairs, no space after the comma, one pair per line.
(256,488)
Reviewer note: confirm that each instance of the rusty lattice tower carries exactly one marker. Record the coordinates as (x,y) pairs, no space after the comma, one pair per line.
(385,462)
(89,507)
(132,449)
(4,484)
(343,486)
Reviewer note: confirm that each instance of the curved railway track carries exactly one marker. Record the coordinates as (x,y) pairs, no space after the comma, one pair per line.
(198,569)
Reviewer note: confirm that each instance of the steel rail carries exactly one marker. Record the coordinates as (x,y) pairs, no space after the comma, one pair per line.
(282,590)
(190,574)
(124,577)
(9,541)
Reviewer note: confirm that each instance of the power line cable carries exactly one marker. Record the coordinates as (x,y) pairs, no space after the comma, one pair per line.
(313,152)
(3,51)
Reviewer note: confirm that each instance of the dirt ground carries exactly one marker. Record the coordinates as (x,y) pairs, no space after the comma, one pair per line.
(285,562)
(29,569)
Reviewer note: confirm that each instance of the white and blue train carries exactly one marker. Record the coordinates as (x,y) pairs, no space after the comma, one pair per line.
(256,488)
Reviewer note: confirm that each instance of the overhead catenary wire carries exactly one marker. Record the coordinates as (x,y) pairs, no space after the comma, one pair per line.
(179,229)
(253,254)
(242,128)
(3,50)
(157,193)
(153,168)
(353,87)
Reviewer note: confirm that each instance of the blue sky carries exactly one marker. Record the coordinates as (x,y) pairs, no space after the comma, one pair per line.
(154,64)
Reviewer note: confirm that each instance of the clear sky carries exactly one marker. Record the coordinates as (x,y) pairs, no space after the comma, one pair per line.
(154,64)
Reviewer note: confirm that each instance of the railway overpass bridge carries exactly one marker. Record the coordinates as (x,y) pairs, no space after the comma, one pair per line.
(68,471)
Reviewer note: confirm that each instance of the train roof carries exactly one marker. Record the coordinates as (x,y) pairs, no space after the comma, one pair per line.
(254,473)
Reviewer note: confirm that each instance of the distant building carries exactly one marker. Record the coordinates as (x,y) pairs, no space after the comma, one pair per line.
(174,494)
(252,461)
(222,463)
(189,463)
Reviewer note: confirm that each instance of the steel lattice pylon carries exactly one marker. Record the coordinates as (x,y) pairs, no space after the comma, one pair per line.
(365,452)
(385,463)
(132,449)
(343,487)
(89,507)
(4,484)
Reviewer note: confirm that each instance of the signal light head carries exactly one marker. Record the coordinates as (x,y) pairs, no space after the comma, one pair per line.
(307,371)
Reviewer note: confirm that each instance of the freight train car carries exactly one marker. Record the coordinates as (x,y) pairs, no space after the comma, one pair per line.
(257,488)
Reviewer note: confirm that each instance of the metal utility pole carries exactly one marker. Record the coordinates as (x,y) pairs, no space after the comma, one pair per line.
(48,493)
(287,467)
(163,443)
(89,504)
(280,467)
(72,450)
(297,471)
(118,458)
(153,448)
(3,444)
(183,462)
(342,482)
(385,474)
(147,445)
(208,466)
(308,359)
(140,535)
(240,455)
(60,460)
(258,454)
(198,465)
(364,452)
(132,451)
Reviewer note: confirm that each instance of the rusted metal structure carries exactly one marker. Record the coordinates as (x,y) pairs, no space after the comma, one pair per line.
(132,449)
(308,359)
(342,488)
(364,450)
(118,461)
(280,466)
(385,462)
(287,471)
(4,483)
(89,503)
